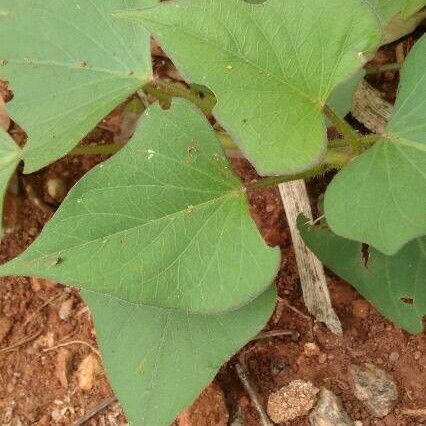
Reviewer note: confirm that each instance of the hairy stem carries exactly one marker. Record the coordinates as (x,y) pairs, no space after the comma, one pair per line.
(165,92)
(383,68)
(344,128)
(107,149)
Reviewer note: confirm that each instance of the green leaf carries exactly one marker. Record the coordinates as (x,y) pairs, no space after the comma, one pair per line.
(271,66)
(159,360)
(411,7)
(69,64)
(387,9)
(380,197)
(341,98)
(393,284)
(165,222)
(10,155)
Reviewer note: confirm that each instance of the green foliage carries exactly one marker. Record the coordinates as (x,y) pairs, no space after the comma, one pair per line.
(394,284)
(380,197)
(10,155)
(164,222)
(158,360)
(387,9)
(278,61)
(69,64)
(159,238)
(412,6)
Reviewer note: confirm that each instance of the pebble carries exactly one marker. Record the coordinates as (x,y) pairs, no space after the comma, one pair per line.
(417,355)
(374,388)
(329,411)
(65,309)
(292,401)
(311,350)
(394,357)
(56,188)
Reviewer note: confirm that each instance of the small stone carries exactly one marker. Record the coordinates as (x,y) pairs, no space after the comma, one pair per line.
(311,350)
(5,326)
(360,308)
(292,401)
(208,409)
(374,388)
(56,188)
(65,309)
(417,355)
(63,360)
(87,372)
(322,358)
(393,357)
(329,411)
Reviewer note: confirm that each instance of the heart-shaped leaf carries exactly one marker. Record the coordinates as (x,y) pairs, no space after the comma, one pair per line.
(272,66)
(69,63)
(393,284)
(164,222)
(380,197)
(159,360)
(10,155)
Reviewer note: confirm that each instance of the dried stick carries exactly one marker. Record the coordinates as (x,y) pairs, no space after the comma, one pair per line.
(104,404)
(312,277)
(243,375)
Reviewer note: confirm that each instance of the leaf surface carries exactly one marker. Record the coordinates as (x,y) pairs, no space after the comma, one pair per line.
(272,66)
(393,284)
(159,360)
(380,197)
(69,64)
(10,155)
(164,222)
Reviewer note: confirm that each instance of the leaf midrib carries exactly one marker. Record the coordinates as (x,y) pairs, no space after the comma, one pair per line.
(170,216)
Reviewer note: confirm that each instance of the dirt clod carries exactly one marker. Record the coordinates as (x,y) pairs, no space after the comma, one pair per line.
(87,372)
(374,388)
(292,401)
(209,409)
(329,411)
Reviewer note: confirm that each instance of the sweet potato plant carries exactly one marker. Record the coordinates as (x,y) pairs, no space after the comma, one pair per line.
(159,238)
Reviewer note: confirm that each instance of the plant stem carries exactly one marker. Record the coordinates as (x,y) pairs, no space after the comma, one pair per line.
(97,149)
(383,68)
(344,128)
(165,91)
(272,181)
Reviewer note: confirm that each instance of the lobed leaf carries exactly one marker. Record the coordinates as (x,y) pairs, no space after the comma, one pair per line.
(10,156)
(159,360)
(165,222)
(272,66)
(69,63)
(380,197)
(393,284)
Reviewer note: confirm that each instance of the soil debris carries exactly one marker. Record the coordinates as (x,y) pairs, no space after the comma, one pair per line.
(87,372)
(63,360)
(374,388)
(292,401)
(65,309)
(329,411)
(5,326)
(209,409)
